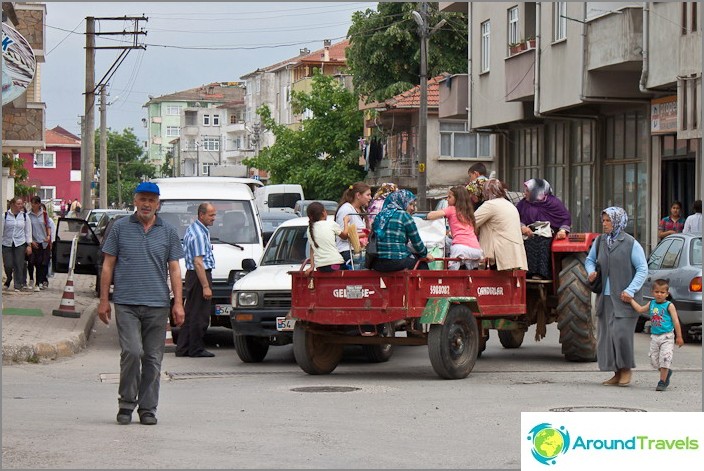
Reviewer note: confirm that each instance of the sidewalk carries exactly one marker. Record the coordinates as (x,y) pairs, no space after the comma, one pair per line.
(31,333)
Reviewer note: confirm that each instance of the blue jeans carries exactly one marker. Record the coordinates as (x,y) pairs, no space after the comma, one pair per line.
(142,331)
(13,259)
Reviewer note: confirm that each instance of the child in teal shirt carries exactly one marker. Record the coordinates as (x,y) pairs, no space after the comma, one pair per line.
(665,330)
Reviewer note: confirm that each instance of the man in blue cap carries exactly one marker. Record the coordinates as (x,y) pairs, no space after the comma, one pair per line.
(141,250)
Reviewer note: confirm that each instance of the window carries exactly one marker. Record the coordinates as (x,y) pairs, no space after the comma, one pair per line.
(206,120)
(485,45)
(559,21)
(512,26)
(191,118)
(47,194)
(216,120)
(672,256)
(45,160)
(173,131)
(173,110)
(689,17)
(233,119)
(456,141)
(656,257)
(211,143)
(205,168)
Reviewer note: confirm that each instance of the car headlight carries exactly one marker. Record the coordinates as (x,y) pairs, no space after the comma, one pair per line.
(247,299)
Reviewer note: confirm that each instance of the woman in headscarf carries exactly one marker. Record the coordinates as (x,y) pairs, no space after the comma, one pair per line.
(394,228)
(498,226)
(623,272)
(539,204)
(378,201)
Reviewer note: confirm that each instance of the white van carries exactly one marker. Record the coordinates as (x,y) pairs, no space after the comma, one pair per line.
(281,197)
(236,234)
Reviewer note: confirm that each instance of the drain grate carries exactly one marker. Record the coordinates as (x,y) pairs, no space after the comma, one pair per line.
(595,409)
(181,375)
(318,389)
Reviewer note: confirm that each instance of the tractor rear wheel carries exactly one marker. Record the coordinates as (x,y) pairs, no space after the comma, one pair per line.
(453,345)
(575,321)
(511,338)
(313,354)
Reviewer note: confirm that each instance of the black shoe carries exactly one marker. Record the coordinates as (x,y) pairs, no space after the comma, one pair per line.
(203,354)
(124,416)
(180,354)
(147,418)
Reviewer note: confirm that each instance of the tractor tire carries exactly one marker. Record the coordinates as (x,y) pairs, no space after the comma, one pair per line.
(453,346)
(251,349)
(313,354)
(511,338)
(575,321)
(380,353)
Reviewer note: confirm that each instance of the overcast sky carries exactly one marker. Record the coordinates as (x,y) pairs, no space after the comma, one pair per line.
(241,37)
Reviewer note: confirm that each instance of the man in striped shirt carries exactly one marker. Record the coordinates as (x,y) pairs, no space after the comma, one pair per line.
(198,286)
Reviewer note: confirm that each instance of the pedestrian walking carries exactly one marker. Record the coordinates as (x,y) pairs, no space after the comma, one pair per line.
(16,244)
(38,261)
(693,223)
(141,251)
(199,284)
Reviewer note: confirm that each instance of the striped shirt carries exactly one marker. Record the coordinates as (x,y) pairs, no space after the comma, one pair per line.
(196,243)
(141,267)
(399,229)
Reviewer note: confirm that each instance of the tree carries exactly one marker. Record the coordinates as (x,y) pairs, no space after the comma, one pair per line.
(20,175)
(384,52)
(323,154)
(125,153)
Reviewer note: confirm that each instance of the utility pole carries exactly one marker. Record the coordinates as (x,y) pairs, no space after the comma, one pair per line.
(103,149)
(119,188)
(88,158)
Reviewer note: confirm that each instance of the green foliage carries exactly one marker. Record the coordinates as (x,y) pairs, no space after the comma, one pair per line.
(384,52)
(20,174)
(322,155)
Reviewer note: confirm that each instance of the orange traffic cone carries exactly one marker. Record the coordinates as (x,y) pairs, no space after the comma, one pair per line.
(169,345)
(67,308)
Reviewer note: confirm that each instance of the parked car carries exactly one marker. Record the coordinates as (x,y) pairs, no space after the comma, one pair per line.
(95,216)
(301,207)
(271,220)
(101,226)
(678,259)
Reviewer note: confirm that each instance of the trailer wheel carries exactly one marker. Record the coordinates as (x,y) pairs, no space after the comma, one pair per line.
(380,353)
(251,349)
(511,338)
(453,346)
(575,321)
(313,354)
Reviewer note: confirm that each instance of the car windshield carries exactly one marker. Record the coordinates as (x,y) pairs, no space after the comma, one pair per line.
(234,223)
(289,245)
(696,252)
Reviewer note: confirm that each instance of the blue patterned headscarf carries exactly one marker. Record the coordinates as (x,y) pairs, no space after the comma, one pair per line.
(619,219)
(396,201)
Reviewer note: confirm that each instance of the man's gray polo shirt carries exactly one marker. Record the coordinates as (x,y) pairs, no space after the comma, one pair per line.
(141,267)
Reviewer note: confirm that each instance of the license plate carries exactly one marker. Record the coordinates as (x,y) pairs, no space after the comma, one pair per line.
(284,325)
(223,309)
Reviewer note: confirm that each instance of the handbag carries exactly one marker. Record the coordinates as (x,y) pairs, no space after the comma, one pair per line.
(372,251)
(596,285)
(541,228)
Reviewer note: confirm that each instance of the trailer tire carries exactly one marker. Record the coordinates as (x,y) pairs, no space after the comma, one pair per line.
(453,345)
(251,349)
(380,353)
(313,354)
(511,338)
(575,321)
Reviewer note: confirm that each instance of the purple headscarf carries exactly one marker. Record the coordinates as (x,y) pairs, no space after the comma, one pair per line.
(542,205)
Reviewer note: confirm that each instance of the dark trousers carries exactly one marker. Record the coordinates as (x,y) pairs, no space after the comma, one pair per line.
(13,262)
(190,337)
(387,264)
(38,261)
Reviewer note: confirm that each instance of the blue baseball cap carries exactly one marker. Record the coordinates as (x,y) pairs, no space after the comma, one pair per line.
(147,187)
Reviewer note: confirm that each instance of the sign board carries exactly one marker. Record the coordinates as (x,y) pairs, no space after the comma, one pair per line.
(663,115)
(18,64)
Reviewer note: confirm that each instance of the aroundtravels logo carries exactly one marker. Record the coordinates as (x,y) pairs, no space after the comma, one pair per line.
(548,442)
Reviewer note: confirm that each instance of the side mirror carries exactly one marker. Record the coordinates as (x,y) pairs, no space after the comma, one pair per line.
(248,264)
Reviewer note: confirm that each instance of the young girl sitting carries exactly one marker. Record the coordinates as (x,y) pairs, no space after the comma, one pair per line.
(321,236)
(460,217)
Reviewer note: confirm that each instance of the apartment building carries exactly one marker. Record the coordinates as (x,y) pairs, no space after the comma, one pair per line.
(23,112)
(198,110)
(602,99)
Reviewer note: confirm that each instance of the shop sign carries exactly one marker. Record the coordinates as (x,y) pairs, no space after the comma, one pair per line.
(18,64)
(663,115)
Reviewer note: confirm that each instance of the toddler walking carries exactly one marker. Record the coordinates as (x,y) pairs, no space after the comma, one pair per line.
(321,236)
(460,217)
(663,321)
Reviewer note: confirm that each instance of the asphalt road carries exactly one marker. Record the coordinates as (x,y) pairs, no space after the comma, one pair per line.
(220,413)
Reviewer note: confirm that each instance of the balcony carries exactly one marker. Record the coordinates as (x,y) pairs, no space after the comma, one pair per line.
(520,72)
(236,127)
(189,131)
(156,119)
(615,41)
(453,97)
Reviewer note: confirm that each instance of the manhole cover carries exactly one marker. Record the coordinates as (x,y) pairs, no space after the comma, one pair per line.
(316,389)
(595,409)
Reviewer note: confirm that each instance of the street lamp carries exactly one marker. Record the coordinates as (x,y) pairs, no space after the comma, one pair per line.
(421,19)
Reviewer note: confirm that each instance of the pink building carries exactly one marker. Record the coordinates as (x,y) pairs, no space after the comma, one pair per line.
(56,169)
